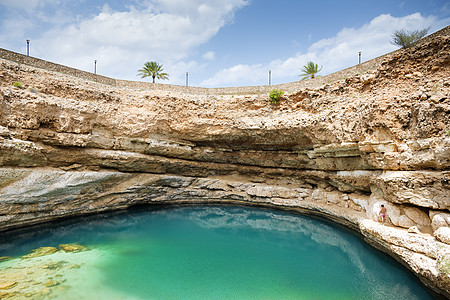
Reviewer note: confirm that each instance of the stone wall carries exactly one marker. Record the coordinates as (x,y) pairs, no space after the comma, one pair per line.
(262,89)
(47,65)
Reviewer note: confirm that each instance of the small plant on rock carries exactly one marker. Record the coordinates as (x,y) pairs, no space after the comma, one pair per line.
(275,96)
(18,85)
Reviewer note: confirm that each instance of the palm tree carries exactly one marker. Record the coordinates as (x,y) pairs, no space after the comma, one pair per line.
(154,70)
(310,70)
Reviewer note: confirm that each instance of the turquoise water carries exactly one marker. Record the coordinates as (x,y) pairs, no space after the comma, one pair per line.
(218,252)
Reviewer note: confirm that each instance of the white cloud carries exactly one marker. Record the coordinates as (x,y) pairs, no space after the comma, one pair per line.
(210,55)
(122,41)
(336,53)
(236,75)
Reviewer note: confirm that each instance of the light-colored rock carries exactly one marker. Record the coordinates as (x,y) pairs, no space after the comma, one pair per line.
(40,252)
(4,131)
(405,222)
(421,188)
(393,212)
(333,197)
(72,248)
(4,285)
(361,200)
(318,195)
(439,219)
(417,216)
(443,234)
(413,229)
(367,78)
(51,283)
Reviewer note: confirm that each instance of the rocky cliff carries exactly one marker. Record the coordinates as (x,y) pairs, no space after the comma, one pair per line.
(70,146)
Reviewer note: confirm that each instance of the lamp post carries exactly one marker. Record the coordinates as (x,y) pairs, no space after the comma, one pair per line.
(28,47)
(187,78)
(95,66)
(270,77)
(359,57)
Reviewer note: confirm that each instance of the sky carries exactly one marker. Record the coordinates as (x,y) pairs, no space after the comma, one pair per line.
(219,43)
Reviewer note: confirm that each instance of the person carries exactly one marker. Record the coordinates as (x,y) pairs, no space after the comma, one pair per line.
(383,213)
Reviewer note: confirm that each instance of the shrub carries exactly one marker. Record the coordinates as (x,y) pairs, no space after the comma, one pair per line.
(406,39)
(18,85)
(275,95)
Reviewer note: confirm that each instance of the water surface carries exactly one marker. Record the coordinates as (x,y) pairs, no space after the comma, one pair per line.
(212,252)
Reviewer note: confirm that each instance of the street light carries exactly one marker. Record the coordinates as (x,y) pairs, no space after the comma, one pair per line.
(187,78)
(359,57)
(270,77)
(28,47)
(95,66)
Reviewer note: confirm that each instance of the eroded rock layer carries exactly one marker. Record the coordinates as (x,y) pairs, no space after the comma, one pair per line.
(70,146)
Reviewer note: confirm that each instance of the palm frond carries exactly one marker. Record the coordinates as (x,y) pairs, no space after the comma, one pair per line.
(310,70)
(154,70)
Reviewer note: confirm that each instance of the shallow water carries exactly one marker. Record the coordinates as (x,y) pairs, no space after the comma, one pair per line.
(206,252)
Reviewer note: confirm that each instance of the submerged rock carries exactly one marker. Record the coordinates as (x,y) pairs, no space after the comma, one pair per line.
(40,252)
(4,285)
(55,265)
(4,258)
(73,248)
(51,283)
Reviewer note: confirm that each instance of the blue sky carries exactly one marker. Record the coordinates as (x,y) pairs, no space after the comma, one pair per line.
(219,42)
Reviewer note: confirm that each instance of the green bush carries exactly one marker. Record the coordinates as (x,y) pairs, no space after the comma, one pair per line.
(406,39)
(275,95)
(18,85)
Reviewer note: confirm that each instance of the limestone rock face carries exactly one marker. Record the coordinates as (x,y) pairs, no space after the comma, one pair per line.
(69,146)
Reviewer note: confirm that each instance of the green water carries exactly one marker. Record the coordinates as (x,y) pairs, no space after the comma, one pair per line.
(217,252)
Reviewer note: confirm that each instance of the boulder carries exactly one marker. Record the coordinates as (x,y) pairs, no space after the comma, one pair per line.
(439,220)
(413,229)
(360,200)
(405,222)
(443,234)
(392,211)
(417,216)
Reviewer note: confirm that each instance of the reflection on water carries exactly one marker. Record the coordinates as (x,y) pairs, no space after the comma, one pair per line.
(225,252)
